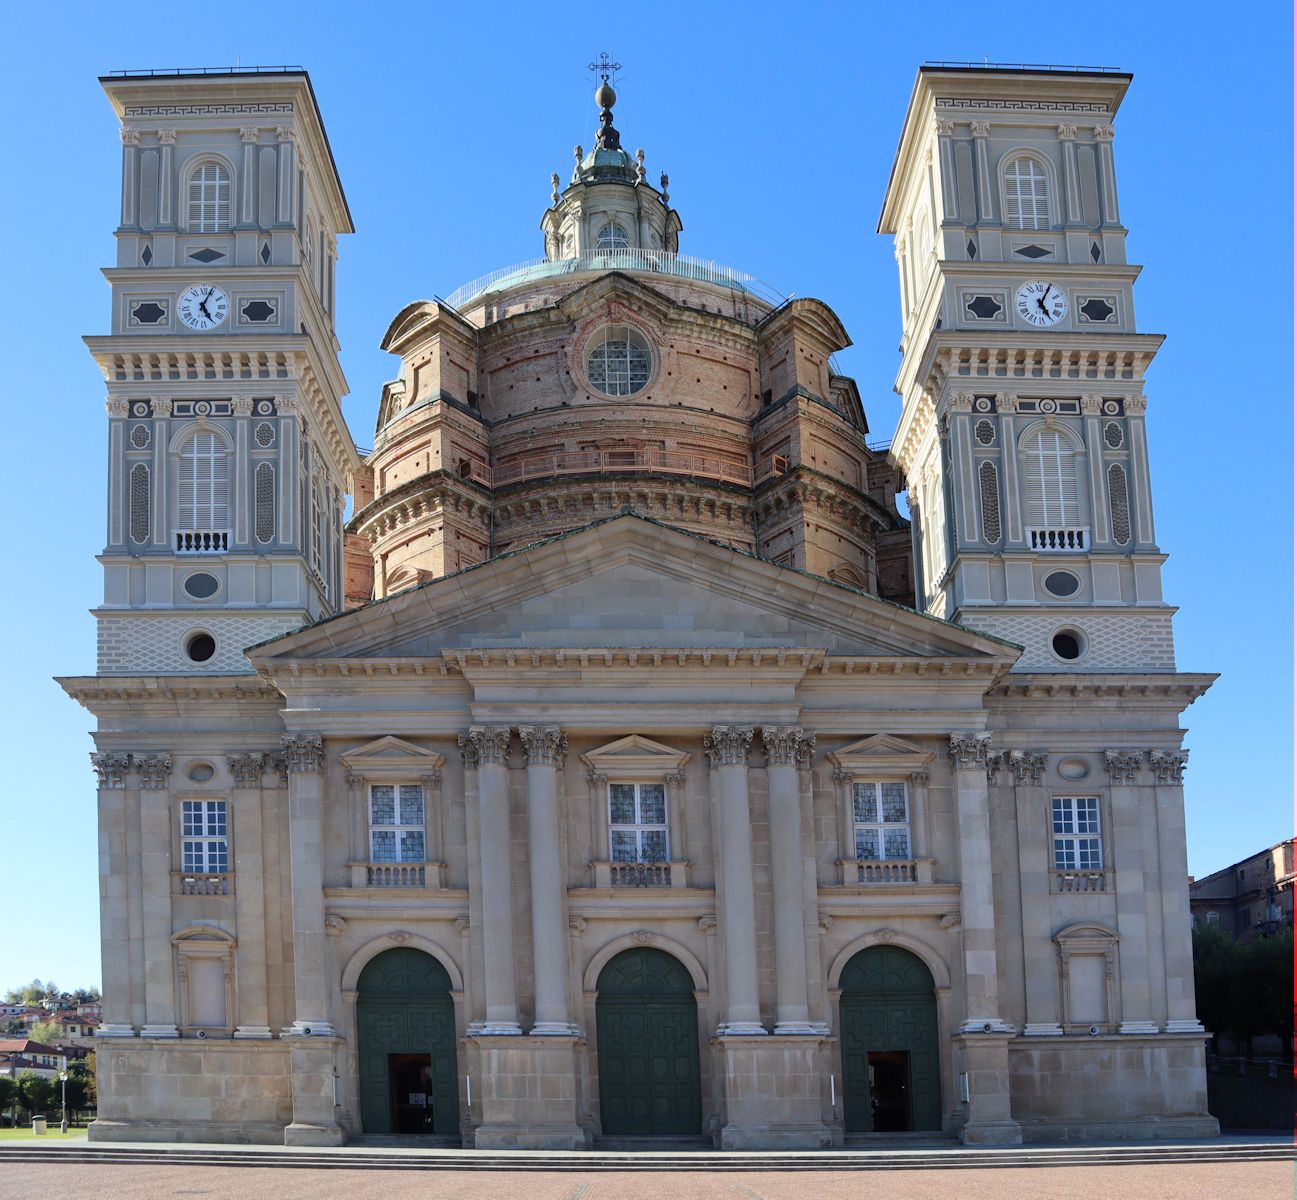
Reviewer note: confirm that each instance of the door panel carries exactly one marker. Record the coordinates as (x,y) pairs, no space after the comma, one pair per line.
(648,1066)
(398,1026)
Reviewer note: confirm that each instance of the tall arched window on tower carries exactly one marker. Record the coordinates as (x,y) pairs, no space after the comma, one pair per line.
(1026,194)
(209,199)
(203,514)
(1053,506)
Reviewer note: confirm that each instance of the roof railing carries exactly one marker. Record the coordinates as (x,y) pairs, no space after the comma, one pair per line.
(1011,66)
(147,71)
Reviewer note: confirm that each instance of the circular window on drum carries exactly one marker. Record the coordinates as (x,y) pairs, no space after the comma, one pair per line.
(618,361)
(1062,583)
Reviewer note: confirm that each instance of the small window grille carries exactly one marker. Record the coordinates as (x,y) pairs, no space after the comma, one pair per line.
(618,361)
(1077,844)
(264,491)
(985,433)
(612,237)
(140,437)
(989,482)
(881,814)
(1119,502)
(209,199)
(1026,194)
(265,434)
(396,826)
(139,503)
(637,822)
(204,845)
(1113,435)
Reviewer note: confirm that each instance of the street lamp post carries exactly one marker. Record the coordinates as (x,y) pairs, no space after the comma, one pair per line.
(63,1079)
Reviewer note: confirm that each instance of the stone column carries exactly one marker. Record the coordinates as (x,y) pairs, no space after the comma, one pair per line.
(130,178)
(546,745)
(982,167)
(1141,496)
(1130,883)
(241,490)
(1103,135)
(166,182)
(286,138)
(1039,971)
(113,884)
(950,214)
(727,751)
(786,746)
(251,1003)
(1071,192)
(1168,773)
(490,749)
(304,758)
(155,875)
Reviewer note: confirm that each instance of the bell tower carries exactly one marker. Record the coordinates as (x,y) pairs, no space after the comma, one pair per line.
(1022,434)
(228,455)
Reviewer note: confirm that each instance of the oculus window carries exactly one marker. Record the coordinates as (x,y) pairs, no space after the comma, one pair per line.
(618,361)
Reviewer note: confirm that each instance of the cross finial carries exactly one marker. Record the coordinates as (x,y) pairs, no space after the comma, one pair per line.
(605,68)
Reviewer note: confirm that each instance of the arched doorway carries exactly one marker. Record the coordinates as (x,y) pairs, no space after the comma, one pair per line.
(891,1072)
(405,1042)
(646,1020)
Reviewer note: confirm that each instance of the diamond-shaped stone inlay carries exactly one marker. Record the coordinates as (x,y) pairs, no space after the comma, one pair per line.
(1097,310)
(146,255)
(1033,252)
(1095,252)
(257,311)
(265,253)
(972,248)
(984,308)
(206,255)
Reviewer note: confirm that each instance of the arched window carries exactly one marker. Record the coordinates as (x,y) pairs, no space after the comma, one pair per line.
(1026,194)
(612,237)
(209,199)
(204,484)
(1049,470)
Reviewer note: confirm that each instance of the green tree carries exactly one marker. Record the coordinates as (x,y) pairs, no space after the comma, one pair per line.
(86,995)
(33,993)
(83,1070)
(1244,990)
(37,1094)
(48,1032)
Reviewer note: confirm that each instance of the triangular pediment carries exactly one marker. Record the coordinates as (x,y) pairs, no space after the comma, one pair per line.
(391,756)
(631,583)
(635,755)
(882,752)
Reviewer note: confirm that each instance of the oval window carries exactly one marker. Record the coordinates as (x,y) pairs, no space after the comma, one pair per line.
(1061,583)
(200,585)
(618,361)
(201,772)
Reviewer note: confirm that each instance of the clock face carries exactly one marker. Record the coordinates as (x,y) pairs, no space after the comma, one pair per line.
(1041,303)
(203,306)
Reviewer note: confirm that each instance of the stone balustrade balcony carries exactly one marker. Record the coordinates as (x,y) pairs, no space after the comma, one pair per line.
(190,883)
(856,871)
(1080,881)
(397,875)
(641,874)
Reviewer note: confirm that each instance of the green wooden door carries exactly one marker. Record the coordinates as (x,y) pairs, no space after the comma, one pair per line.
(404,1006)
(646,1022)
(889,1003)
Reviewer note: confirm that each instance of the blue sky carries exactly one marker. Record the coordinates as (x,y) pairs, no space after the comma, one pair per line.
(777,124)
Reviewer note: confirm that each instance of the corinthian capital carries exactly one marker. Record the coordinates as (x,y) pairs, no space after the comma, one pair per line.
(111,768)
(167,137)
(969,750)
(782,744)
(727,745)
(130,137)
(1168,765)
(1122,765)
(249,133)
(980,128)
(1067,132)
(1103,133)
(303,752)
(246,769)
(154,770)
(117,406)
(490,745)
(1027,765)
(546,745)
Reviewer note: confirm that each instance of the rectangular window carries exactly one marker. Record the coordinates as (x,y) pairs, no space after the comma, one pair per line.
(637,822)
(1077,845)
(881,814)
(204,837)
(396,823)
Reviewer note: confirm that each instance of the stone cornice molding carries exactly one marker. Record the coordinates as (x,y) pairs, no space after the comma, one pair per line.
(1028,766)
(111,768)
(246,769)
(969,751)
(1176,691)
(1168,765)
(490,745)
(1122,765)
(303,753)
(154,770)
(727,745)
(785,745)
(546,745)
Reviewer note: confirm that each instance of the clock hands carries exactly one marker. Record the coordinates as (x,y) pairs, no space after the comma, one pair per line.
(1040,300)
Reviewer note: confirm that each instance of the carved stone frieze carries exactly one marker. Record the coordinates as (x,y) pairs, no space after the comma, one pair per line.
(727,745)
(1122,765)
(969,750)
(1168,765)
(246,769)
(111,768)
(154,770)
(546,745)
(303,752)
(490,744)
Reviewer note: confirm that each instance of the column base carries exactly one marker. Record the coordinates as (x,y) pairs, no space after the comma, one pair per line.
(302,1134)
(1042,1029)
(253,1031)
(986,1025)
(554,1029)
(1193,1025)
(310,1029)
(159,1031)
(741,1029)
(115,1031)
(801,1029)
(983,1061)
(1138,1027)
(525,1092)
(497,1029)
(776,1093)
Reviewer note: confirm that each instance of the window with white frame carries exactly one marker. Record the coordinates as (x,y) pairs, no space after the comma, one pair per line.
(1026,194)
(396,823)
(1078,845)
(1050,475)
(209,199)
(637,822)
(204,484)
(204,837)
(881,816)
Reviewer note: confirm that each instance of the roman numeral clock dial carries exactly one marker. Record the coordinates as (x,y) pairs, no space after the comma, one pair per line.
(203,306)
(1041,303)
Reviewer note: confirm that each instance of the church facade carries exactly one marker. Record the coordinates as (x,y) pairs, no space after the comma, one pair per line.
(625,764)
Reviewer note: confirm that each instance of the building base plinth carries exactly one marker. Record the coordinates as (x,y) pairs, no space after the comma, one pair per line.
(526,1098)
(984,1061)
(302,1134)
(315,1121)
(774,1093)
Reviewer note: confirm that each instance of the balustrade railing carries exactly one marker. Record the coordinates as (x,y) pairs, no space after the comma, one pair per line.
(202,541)
(396,875)
(885,871)
(1059,540)
(641,874)
(605,462)
(1079,881)
(185,883)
